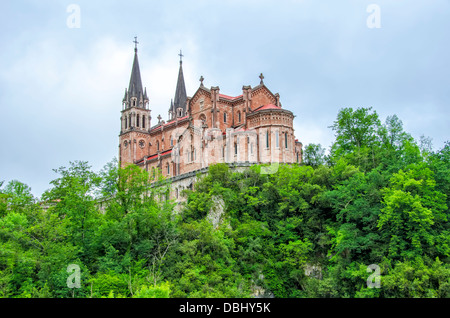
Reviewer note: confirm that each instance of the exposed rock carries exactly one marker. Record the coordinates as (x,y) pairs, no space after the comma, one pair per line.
(313,271)
(217,211)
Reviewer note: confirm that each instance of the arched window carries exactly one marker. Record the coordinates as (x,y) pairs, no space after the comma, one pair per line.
(126,122)
(202,118)
(286,140)
(129,121)
(137,120)
(157,145)
(224,117)
(235,148)
(239,117)
(143,121)
(267,139)
(168,169)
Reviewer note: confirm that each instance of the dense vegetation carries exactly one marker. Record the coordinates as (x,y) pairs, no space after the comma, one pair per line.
(310,230)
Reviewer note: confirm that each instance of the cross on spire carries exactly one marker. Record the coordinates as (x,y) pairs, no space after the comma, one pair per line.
(135,43)
(261,76)
(201,80)
(181,56)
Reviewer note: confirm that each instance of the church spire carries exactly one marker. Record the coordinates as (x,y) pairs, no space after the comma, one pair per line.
(179,104)
(136,96)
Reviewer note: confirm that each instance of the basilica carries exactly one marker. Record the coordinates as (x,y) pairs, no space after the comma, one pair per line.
(207,128)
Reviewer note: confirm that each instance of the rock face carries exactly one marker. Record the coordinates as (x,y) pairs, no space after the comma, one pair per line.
(258,291)
(217,211)
(313,271)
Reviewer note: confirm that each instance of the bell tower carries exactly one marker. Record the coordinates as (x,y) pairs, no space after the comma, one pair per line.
(134,137)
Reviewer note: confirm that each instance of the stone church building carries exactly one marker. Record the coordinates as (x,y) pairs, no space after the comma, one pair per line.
(207,128)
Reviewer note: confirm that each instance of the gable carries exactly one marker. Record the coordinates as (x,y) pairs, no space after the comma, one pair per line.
(200,101)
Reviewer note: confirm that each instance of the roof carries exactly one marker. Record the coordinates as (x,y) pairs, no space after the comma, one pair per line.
(172,121)
(164,153)
(229,97)
(268,106)
(135,88)
(180,92)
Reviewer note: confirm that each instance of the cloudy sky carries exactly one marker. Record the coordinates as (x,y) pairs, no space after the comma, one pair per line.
(63,74)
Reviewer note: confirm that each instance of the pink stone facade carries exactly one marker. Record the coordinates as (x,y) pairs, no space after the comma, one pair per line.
(251,127)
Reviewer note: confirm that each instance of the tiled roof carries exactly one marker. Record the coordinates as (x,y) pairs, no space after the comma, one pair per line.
(156,155)
(229,97)
(168,123)
(268,106)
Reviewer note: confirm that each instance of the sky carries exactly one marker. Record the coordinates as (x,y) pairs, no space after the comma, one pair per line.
(64,67)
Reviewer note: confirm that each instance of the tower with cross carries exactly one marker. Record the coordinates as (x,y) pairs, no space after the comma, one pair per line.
(136,118)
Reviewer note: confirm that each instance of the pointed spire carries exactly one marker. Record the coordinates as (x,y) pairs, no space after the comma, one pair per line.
(180,92)
(171,111)
(135,88)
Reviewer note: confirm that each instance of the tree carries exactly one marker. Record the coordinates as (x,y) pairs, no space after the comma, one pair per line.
(393,134)
(74,191)
(440,164)
(414,214)
(355,129)
(109,175)
(357,137)
(313,155)
(139,228)
(425,145)
(19,195)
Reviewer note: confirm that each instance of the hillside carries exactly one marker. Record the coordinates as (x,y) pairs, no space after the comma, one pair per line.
(369,219)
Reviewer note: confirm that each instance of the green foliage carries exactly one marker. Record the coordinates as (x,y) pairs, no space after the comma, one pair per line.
(417,278)
(308,230)
(160,291)
(355,130)
(313,155)
(414,213)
